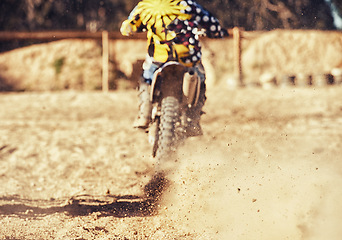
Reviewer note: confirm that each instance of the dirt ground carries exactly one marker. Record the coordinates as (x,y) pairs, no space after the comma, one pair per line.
(269,166)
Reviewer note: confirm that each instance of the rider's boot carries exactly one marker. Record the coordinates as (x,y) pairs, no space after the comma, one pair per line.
(145,107)
(194,128)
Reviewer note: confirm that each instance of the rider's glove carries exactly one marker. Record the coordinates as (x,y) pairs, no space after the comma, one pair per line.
(224,33)
(218,34)
(126,28)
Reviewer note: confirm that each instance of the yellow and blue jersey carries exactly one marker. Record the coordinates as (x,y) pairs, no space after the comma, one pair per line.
(173,28)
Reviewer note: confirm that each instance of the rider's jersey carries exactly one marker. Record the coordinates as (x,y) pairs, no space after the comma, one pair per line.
(173,28)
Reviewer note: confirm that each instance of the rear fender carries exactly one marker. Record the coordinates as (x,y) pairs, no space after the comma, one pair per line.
(167,81)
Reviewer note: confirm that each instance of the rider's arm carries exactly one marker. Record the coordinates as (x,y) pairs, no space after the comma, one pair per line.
(206,20)
(133,23)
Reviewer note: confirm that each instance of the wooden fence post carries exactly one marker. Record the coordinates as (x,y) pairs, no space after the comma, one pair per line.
(105,59)
(237,55)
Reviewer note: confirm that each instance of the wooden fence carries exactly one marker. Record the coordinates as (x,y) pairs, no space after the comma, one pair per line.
(236,33)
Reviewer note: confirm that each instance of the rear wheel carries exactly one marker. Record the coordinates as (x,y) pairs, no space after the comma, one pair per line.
(168,134)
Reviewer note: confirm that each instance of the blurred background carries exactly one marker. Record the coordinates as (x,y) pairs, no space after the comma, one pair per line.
(308,41)
(92,15)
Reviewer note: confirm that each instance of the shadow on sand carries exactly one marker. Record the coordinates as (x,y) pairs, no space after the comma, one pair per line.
(82,205)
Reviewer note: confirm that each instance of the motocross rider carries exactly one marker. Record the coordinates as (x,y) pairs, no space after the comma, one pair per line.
(173,28)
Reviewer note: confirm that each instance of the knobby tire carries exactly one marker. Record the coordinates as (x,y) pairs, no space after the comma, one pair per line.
(167,134)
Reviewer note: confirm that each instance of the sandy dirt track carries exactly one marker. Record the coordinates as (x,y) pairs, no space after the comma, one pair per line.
(269,166)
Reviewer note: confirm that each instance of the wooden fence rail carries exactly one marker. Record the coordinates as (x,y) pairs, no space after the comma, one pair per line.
(58,35)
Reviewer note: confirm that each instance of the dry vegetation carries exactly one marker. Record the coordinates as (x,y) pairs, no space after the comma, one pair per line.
(293,52)
(76,64)
(53,66)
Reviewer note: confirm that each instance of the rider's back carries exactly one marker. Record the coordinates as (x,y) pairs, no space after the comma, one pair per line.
(172,28)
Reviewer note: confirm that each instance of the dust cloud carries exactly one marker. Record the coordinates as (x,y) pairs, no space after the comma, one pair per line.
(228,192)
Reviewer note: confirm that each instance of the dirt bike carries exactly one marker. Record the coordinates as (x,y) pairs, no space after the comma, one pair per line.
(175,91)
